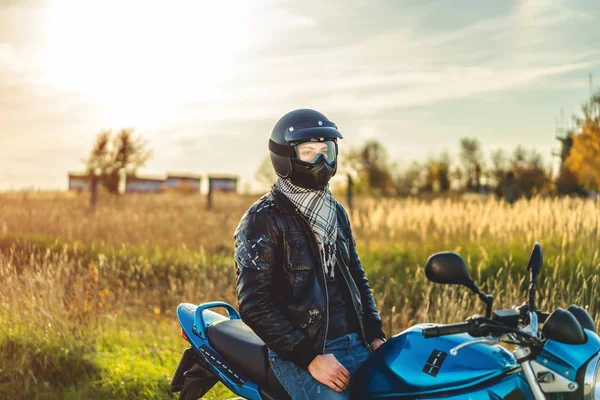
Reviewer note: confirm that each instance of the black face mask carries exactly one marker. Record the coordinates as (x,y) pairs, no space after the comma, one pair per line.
(312,176)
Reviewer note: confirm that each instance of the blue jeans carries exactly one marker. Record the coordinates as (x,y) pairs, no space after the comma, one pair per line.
(348,349)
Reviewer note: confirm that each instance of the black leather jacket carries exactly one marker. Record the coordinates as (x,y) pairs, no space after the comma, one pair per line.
(281,289)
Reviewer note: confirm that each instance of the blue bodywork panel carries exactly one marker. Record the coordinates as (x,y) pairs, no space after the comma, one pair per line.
(566,359)
(508,386)
(194,320)
(409,364)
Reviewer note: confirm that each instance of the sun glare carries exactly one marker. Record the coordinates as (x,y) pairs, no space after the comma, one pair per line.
(136,58)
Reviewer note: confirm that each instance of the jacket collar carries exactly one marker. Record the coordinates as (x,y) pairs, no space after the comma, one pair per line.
(284,204)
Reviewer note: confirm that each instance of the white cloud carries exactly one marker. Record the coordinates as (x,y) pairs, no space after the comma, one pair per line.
(6,52)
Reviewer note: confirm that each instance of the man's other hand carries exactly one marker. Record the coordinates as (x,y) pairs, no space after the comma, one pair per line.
(326,369)
(375,343)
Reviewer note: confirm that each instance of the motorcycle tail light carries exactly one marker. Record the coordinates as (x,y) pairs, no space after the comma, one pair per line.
(183,335)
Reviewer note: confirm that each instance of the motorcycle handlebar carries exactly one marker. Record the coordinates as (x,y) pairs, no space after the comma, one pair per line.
(475,327)
(443,330)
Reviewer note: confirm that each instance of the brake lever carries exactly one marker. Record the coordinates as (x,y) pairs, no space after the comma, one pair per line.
(532,327)
(490,341)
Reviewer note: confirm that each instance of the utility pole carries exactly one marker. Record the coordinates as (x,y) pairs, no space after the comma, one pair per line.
(510,184)
(209,196)
(349,192)
(93,190)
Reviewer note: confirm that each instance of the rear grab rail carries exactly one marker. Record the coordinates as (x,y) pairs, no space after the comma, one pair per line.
(199,323)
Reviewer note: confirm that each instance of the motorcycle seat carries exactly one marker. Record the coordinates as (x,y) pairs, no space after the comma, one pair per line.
(240,346)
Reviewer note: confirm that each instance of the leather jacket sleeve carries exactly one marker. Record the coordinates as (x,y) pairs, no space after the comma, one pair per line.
(256,240)
(372,319)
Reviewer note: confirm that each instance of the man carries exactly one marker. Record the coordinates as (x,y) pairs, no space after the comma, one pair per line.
(300,283)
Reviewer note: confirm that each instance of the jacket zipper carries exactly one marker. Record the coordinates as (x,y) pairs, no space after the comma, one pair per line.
(324,282)
(360,322)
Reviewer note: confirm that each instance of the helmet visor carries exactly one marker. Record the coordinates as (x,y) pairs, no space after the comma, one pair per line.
(309,151)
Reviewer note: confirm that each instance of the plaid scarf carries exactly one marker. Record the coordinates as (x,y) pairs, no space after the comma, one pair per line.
(318,207)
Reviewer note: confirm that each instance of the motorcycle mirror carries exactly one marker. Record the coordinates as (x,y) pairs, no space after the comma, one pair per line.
(534,266)
(449,268)
(535,261)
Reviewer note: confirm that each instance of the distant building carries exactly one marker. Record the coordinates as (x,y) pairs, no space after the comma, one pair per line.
(222,184)
(79,181)
(137,184)
(183,183)
(189,183)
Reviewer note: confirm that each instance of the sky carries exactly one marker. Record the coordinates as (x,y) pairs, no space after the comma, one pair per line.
(204,82)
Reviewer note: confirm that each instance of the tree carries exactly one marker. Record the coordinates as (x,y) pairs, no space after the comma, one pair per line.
(408,182)
(114,155)
(430,183)
(519,155)
(584,158)
(499,170)
(373,168)
(566,182)
(527,169)
(98,159)
(472,160)
(529,172)
(443,171)
(499,165)
(437,175)
(265,174)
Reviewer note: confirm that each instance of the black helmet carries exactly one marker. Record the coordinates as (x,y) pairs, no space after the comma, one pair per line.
(301,126)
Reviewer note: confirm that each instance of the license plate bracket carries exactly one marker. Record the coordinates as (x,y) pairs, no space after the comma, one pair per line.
(186,363)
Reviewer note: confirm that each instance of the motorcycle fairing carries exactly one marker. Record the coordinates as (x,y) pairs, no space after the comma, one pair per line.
(408,364)
(566,359)
(512,386)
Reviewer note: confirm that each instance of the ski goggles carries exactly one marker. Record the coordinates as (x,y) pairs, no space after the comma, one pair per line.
(309,151)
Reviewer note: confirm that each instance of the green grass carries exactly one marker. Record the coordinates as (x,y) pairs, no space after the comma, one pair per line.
(79,322)
(128,358)
(85,315)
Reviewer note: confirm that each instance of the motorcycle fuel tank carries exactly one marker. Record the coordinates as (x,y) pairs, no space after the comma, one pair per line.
(408,364)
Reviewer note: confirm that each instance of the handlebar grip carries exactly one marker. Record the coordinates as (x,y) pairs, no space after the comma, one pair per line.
(443,330)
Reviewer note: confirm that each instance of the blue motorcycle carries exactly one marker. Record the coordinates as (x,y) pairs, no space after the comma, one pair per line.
(426,361)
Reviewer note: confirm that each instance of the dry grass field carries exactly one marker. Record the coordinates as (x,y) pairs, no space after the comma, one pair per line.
(87,300)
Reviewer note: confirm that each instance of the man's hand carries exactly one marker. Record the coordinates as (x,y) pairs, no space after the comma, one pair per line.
(375,343)
(327,369)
